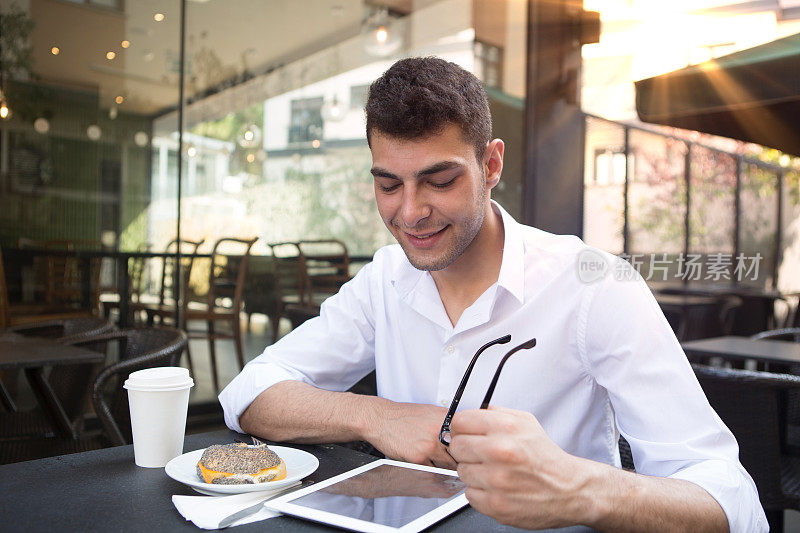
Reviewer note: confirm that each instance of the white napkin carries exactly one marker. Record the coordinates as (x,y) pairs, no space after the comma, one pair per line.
(207,511)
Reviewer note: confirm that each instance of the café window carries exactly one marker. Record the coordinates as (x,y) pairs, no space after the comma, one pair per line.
(306,120)
(609,167)
(358,96)
(111,4)
(489,64)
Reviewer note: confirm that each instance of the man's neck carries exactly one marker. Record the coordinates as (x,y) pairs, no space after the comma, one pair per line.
(475,270)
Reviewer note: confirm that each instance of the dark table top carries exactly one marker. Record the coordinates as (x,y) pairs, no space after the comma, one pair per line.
(17,351)
(88,254)
(721,288)
(685,300)
(767,351)
(104,490)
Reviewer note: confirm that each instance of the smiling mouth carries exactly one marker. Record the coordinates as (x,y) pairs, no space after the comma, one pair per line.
(425,240)
(425,235)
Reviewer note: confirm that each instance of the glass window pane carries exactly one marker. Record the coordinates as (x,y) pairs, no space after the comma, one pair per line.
(604,192)
(712,201)
(758,222)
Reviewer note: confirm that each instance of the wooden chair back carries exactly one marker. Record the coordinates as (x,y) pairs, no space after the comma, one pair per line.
(228,271)
(289,270)
(327,266)
(4,318)
(188,248)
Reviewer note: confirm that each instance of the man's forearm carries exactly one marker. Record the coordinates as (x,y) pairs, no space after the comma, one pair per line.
(625,501)
(298,412)
(295,411)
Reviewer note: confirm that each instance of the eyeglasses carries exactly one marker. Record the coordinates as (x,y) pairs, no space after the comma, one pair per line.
(444,433)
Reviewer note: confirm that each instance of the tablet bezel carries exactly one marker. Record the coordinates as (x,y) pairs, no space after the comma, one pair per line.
(284,503)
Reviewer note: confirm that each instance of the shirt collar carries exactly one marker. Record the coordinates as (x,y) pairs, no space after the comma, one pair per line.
(512,269)
(511,278)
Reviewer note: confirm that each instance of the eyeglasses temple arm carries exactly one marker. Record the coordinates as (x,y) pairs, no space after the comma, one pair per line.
(457,398)
(524,346)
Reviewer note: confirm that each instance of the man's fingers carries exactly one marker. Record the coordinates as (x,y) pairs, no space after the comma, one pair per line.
(474,475)
(468,448)
(472,422)
(444,460)
(478,499)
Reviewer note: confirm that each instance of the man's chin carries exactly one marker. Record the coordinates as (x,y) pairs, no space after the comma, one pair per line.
(430,264)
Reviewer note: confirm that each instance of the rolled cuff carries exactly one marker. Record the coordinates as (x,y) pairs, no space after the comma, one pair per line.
(734,490)
(255,378)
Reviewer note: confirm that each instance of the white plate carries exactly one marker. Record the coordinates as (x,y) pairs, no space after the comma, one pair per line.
(299,464)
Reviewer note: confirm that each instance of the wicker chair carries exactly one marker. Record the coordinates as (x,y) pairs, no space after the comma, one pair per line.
(144,348)
(70,383)
(783,334)
(749,402)
(792,397)
(139,349)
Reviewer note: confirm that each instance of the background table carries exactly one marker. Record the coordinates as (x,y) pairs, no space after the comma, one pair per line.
(23,255)
(104,491)
(34,355)
(739,348)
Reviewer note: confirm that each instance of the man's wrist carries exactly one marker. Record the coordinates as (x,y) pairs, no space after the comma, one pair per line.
(598,490)
(369,417)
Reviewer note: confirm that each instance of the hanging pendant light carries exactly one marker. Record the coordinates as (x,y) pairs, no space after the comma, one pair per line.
(381,36)
(333,110)
(5,112)
(249,136)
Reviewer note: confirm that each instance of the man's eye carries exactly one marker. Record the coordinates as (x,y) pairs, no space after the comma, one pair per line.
(443,185)
(389,188)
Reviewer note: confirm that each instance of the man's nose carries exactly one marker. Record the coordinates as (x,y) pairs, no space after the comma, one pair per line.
(414,208)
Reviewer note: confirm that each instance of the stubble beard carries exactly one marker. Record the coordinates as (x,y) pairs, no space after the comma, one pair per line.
(463,239)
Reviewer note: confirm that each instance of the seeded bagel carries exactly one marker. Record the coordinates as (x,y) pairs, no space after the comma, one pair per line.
(238,464)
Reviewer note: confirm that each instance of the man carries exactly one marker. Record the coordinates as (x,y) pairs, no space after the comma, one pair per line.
(606,362)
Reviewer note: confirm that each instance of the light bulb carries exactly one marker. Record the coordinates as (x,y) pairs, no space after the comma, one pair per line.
(158,17)
(55,50)
(41,125)
(382,35)
(110,55)
(125,43)
(191,151)
(4,112)
(94,132)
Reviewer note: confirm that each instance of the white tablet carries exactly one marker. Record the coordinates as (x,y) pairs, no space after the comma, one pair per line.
(380,497)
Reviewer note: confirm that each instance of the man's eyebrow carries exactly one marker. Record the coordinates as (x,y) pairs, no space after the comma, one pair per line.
(428,171)
(378,172)
(437,167)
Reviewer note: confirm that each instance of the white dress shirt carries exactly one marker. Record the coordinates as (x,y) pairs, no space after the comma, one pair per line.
(606,360)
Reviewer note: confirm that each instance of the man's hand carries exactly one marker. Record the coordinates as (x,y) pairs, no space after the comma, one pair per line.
(513,471)
(409,432)
(518,476)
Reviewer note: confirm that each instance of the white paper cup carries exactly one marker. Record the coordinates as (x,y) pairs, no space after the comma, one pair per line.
(159,399)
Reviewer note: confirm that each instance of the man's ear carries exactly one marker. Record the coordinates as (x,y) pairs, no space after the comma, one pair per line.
(493,162)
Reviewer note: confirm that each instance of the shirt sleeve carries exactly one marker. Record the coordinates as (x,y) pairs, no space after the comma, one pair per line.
(659,406)
(332,351)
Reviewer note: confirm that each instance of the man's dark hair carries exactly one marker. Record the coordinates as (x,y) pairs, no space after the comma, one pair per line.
(420,96)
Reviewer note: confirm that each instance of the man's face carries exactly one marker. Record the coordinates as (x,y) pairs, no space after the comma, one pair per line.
(431,194)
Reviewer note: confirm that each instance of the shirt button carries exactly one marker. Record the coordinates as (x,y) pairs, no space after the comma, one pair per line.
(443,403)
(450,349)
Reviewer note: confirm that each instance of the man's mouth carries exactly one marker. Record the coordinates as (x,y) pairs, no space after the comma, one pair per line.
(425,240)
